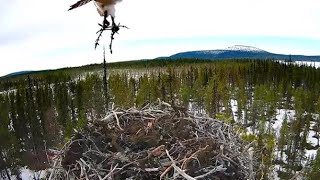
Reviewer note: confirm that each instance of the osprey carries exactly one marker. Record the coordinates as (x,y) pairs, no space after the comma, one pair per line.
(104,7)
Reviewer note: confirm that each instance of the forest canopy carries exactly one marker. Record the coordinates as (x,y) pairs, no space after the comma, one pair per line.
(274,103)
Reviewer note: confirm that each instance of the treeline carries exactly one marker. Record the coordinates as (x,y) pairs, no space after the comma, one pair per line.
(41,110)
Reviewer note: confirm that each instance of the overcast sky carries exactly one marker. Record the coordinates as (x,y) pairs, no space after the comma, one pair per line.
(42,34)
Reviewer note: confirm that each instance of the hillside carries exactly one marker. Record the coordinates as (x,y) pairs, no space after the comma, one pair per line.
(240,52)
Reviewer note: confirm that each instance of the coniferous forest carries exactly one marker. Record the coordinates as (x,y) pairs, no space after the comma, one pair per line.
(276,104)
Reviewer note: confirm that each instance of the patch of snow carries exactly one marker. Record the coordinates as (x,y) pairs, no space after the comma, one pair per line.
(244,48)
(311,153)
(281,115)
(8,91)
(283,155)
(234,109)
(274,174)
(27,174)
(315,116)
(315,64)
(313,141)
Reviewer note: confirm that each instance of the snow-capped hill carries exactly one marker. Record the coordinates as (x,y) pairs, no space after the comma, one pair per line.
(240,52)
(244,48)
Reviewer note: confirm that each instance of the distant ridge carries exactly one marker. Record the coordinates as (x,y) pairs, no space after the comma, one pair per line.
(19,73)
(240,52)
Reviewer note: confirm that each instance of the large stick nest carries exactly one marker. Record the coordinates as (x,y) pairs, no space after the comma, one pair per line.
(156,142)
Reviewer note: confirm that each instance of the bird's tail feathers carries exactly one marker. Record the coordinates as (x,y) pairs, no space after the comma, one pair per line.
(78,4)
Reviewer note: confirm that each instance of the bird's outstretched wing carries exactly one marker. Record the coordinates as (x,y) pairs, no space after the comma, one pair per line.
(78,4)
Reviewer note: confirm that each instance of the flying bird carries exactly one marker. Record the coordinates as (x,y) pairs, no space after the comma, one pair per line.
(104,7)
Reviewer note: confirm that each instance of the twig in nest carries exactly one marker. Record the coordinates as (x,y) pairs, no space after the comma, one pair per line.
(165,172)
(187,160)
(118,122)
(158,151)
(214,170)
(114,29)
(179,170)
(112,170)
(251,174)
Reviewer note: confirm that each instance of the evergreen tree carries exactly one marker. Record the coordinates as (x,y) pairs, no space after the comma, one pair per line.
(9,149)
(314,172)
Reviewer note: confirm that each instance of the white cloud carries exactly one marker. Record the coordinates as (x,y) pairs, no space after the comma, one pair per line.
(38,34)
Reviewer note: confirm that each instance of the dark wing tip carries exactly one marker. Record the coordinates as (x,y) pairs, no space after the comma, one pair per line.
(78,4)
(73,6)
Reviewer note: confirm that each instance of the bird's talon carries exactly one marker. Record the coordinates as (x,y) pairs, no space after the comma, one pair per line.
(115,28)
(106,24)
